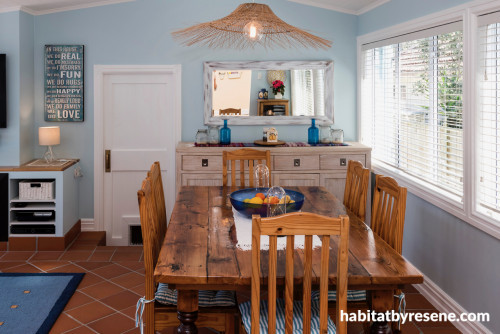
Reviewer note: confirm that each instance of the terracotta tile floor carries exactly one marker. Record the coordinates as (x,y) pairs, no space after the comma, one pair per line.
(105,299)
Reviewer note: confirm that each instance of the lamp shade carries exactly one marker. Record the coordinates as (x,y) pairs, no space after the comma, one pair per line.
(49,135)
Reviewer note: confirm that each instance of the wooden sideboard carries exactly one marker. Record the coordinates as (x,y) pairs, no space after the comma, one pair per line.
(290,166)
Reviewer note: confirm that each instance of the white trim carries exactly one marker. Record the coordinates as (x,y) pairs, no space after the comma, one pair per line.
(444,303)
(99,72)
(468,14)
(88,224)
(62,8)
(331,6)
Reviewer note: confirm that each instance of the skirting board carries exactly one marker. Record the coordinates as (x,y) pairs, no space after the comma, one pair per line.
(88,224)
(444,303)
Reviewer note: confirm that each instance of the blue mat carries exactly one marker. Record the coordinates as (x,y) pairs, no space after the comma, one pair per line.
(31,303)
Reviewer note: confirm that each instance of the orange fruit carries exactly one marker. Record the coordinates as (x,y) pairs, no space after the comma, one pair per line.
(274,200)
(261,195)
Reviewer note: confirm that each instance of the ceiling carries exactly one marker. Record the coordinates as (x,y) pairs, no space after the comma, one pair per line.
(40,7)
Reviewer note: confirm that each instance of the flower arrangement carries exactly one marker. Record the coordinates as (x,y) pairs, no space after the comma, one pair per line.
(278,87)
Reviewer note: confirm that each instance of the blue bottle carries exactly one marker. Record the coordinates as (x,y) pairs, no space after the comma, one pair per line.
(313,134)
(225,134)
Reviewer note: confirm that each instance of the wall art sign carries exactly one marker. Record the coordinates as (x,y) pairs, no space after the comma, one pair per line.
(64,83)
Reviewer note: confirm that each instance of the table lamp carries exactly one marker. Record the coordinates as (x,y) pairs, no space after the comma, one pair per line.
(49,136)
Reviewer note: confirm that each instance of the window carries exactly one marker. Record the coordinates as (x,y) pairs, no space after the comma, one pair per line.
(488,127)
(411,106)
(308,93)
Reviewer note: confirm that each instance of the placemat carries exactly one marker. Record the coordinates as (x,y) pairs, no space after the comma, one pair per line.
(287,144)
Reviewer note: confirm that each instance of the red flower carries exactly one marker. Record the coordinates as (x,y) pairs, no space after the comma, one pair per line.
(278,87)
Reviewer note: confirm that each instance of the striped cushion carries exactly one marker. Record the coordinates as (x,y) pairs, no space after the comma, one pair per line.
(245,309)
(352,295)
(206,298)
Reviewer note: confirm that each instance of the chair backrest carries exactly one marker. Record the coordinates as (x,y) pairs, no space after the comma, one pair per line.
(158,195)
(356,188)
(290,225)
(244,155)
(388,211)
(152,238)
(230,111)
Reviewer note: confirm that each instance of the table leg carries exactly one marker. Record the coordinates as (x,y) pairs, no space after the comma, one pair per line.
(382,301)
(187,311)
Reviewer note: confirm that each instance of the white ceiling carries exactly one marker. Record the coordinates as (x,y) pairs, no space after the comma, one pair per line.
(40,7)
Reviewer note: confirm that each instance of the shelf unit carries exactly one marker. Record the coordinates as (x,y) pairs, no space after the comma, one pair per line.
(63,206)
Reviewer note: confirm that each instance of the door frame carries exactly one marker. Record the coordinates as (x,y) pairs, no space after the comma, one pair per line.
(100,71)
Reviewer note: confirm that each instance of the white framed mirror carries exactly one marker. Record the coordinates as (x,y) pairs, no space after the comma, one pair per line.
(231,91)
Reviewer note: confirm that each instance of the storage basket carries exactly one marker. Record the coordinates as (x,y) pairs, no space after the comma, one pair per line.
(36,189)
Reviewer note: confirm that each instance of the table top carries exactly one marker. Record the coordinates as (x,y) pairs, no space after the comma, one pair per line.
(200,247)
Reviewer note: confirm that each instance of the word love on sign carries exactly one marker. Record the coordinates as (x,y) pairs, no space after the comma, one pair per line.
(64,83)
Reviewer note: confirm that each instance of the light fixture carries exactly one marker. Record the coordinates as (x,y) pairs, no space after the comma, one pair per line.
(49,136)
(249,25)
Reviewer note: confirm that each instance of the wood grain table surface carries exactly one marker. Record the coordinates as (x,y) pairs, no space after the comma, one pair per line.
(199,251)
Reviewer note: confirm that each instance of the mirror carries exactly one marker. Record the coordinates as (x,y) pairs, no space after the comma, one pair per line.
(233,90)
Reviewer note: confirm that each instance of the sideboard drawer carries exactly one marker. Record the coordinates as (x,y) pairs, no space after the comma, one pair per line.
(338,161)
(202,162)
(299,162)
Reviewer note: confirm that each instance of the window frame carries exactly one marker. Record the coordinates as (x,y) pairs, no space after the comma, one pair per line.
(465,209)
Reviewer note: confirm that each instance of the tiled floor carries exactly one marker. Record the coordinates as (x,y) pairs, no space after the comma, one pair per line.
(105,299)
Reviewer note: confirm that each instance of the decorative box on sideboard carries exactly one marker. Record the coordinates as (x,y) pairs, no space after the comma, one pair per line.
(291,166)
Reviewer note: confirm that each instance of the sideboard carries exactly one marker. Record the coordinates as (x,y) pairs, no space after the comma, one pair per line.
(290,166)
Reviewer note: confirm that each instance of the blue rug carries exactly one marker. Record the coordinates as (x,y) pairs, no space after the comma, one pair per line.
(31,303)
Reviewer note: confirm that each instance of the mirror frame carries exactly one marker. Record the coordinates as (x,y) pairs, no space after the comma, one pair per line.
(211,66)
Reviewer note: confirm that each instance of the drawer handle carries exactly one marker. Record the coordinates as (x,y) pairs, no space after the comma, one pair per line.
(343,161)
(204,162)
(296,162)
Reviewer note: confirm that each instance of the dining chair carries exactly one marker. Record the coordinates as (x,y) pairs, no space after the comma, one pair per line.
(158,307)
(230,111)
(356,188)
(244,155)
(388,211)
(309,315)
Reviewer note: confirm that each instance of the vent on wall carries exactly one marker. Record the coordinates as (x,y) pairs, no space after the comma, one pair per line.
(135,234)
(3,91)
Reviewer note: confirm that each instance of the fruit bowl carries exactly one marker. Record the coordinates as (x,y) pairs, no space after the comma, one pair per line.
(248,209)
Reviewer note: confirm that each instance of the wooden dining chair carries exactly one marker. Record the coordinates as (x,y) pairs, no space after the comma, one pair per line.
(356,188)
(244,155)
(230,111)
(314,317)
(158,306)
(388,211)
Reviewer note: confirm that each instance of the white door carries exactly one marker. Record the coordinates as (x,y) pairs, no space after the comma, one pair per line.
(140,124)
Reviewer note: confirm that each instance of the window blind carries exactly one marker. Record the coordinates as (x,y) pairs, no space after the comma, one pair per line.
(307,94)
(411,108)
(488,127)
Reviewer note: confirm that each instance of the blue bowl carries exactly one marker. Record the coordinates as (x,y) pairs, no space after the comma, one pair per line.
(249,209)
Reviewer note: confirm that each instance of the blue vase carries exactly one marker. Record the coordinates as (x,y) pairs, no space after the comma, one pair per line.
(225,134)
(313,134)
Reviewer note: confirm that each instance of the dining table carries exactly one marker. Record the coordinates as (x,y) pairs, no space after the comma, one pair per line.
(201,251)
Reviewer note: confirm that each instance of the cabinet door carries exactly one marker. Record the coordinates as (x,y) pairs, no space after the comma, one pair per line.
(202,179)
(295,179)
(334,183)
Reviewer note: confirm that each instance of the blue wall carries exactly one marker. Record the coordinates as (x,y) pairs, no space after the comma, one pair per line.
(459,258)
(26,94)
(139,33)
(9,44)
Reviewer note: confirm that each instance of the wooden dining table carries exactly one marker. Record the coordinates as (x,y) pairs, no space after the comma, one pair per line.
(200,252)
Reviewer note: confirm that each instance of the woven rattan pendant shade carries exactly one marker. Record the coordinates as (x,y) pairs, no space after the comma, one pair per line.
(229,31)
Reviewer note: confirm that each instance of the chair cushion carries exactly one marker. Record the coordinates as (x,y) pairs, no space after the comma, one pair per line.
(352,295)
(245,309)
(206,298)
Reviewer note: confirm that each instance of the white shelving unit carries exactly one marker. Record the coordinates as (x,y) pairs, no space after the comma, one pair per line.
(63,207)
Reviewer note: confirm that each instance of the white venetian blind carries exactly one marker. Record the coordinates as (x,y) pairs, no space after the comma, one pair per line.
(488,127)
(308,92)
(411,105)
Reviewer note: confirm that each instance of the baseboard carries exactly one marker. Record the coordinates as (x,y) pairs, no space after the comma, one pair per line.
(88,224)
(444,303)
